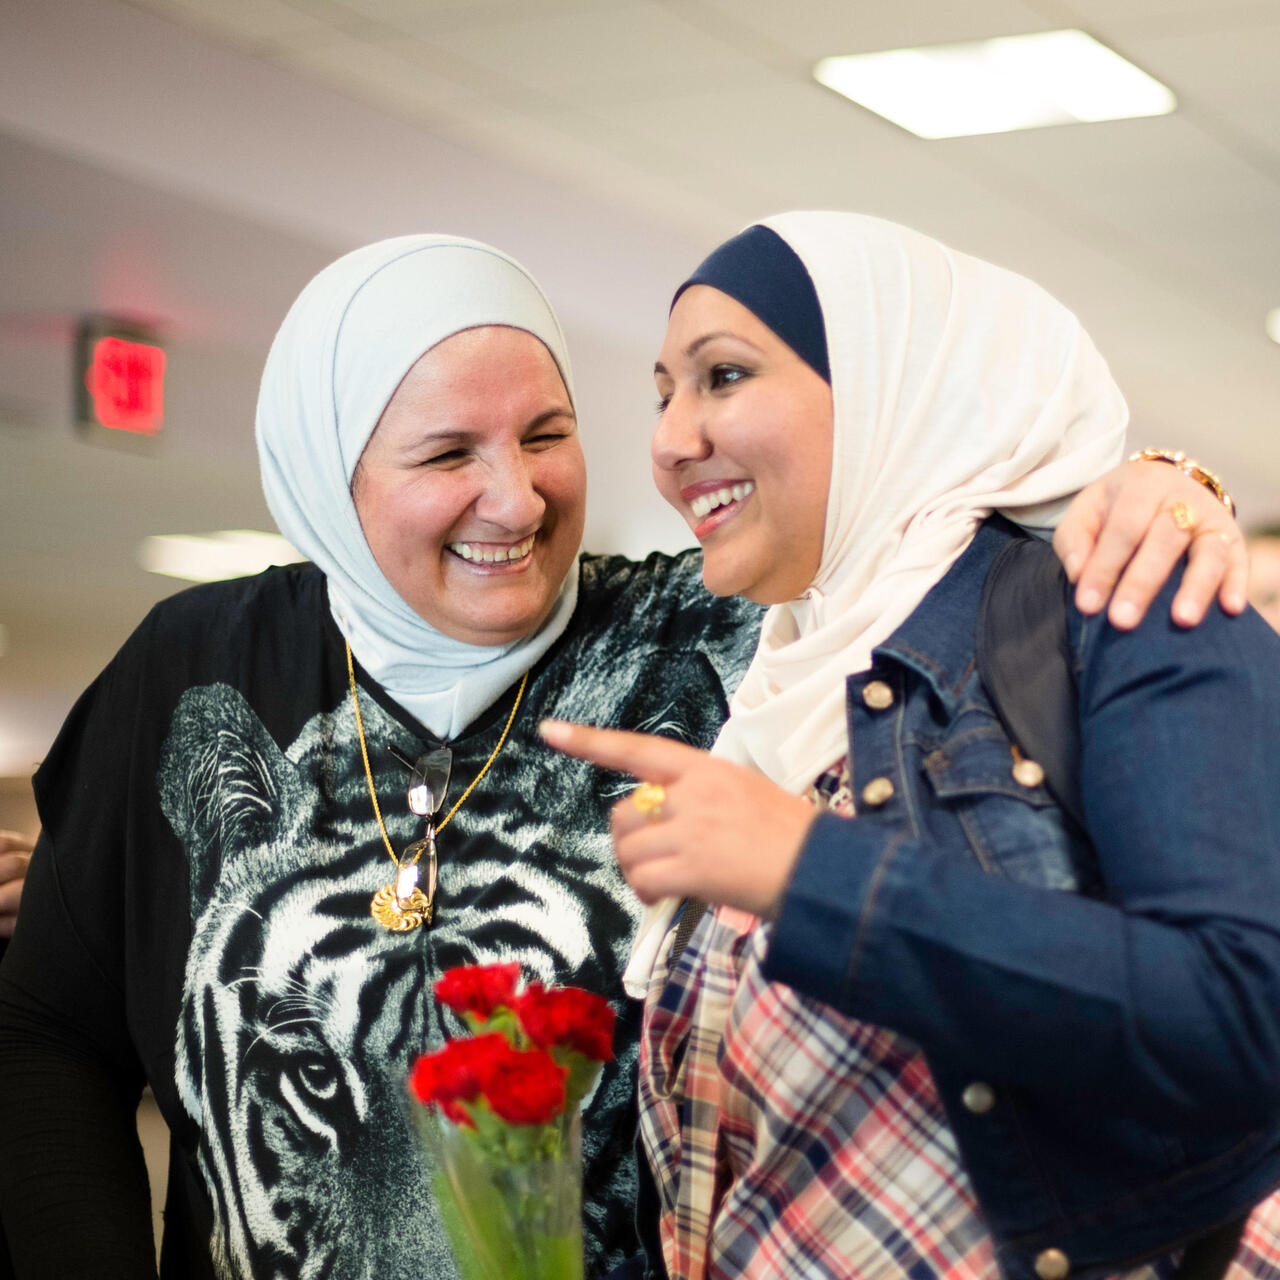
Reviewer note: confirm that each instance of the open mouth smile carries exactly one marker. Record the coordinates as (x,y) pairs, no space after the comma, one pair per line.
(716,504)
(493,553)
(704,504)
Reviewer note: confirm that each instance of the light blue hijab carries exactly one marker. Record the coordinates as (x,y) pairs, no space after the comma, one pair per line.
(343,349)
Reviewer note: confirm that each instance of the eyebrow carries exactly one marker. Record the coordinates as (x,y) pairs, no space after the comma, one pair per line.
(464,436)
(701,341)
(563,411)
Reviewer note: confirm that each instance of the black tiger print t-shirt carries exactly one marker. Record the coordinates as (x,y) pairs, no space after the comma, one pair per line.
(197,918)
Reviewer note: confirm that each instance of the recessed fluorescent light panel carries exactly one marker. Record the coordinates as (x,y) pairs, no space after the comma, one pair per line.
(230,553)
(995,86)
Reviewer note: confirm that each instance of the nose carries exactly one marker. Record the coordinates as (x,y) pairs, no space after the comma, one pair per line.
(510,500)
(680,435)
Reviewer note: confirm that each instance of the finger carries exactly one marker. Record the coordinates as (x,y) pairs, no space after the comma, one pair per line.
(626,817)
(643,755)
(1111,553)
(10,896)
(635,852)
(1148,571)
(657,879)
(654,868)
(641,848)
(13,866)
(15,842)
(1077,532)
(1233,595)
(1209,562)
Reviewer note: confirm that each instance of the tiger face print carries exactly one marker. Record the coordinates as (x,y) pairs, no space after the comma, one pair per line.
(301,1016)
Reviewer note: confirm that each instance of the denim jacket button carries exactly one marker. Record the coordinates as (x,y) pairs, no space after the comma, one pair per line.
(1052,1264)
(1027,773)
(877,695)
(877,792)
(978,1098)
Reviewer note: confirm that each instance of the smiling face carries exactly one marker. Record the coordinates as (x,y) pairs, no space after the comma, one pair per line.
(472,489)
(743,447)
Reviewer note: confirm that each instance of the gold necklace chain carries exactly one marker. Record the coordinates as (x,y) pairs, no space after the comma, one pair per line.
(388,908)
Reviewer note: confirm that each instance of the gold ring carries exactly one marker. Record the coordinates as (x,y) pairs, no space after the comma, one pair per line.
(1183,517)
(649,797)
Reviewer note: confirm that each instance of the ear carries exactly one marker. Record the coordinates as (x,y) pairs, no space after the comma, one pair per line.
(225,786)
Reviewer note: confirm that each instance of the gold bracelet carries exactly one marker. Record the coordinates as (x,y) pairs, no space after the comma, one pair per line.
(1189,467)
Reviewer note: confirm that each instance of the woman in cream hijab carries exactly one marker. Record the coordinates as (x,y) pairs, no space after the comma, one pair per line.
(929,1028)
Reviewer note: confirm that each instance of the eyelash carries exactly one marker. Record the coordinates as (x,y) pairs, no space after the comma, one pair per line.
(717,380)
(717,376)
(456,455)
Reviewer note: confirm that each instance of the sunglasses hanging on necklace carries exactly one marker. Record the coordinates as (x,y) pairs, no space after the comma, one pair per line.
(402,905)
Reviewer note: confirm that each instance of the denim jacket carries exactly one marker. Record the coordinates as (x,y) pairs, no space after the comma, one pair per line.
(1101,1016)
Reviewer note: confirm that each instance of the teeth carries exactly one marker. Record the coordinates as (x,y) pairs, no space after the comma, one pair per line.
(492,555)
(705,503)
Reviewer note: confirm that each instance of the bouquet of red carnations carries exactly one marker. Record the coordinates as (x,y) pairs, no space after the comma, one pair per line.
(501,1116)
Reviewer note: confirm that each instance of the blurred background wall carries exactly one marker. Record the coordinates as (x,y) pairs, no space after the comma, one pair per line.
(190,163)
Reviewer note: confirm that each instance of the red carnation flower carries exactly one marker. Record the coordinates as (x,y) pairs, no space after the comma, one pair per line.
(526,1087)
(567,1017)
(520,1086)
(458,1072)
(478,989)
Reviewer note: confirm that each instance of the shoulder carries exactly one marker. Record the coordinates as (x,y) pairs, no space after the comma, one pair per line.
(214,615)
(1225,667)
(272,624)
(278,588)
(1219,640)
(664,591)
(644,612)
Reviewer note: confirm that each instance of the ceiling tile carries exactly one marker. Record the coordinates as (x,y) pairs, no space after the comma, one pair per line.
(426,17)
(1165,195)
(390,77)
(812,29)
(632,49)
(1158,13)
(242,22)
(1224,76)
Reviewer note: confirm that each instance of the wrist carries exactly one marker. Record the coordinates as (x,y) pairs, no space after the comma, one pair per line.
(1190,468)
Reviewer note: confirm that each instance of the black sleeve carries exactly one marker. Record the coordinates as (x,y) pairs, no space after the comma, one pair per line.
(73,1185)
(74,1198)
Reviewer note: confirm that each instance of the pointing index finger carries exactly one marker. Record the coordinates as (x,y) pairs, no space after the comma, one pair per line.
(643,755)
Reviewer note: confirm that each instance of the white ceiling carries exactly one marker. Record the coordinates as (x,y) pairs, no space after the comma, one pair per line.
(197,160)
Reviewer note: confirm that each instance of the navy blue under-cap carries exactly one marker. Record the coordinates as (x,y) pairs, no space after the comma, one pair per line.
(759,269)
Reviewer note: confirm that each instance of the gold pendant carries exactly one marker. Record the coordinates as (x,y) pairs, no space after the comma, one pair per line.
(400,915)
(403,906)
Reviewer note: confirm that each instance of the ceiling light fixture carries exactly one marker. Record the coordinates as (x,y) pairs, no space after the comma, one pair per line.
(229,553)
(995,86)
(1273,324)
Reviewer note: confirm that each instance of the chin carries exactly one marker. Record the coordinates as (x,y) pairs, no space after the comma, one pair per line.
(507,629)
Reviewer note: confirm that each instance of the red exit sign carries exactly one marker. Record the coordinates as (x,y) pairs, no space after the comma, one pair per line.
(120,377)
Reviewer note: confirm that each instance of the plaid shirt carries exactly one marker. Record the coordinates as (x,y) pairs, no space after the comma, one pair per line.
(789,1141)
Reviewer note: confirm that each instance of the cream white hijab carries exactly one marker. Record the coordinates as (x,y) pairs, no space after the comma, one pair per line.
(959,389)
(343,349)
